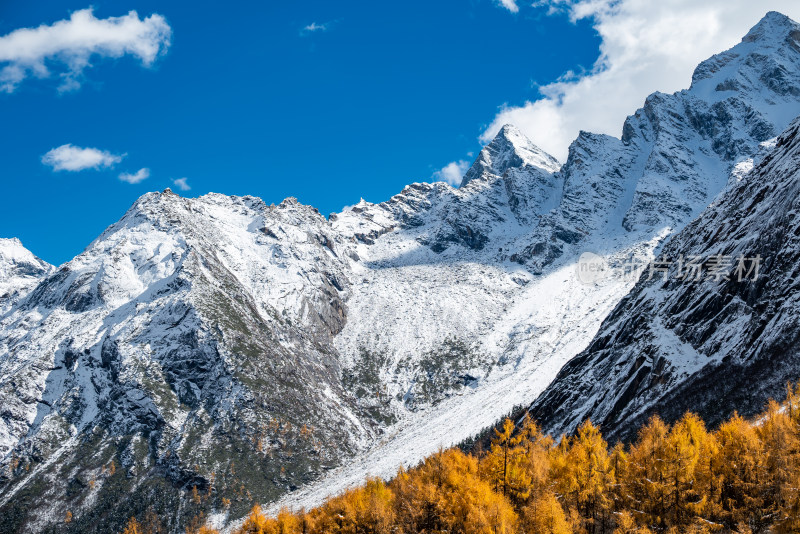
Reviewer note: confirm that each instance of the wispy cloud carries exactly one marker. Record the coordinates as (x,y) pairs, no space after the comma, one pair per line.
(67,46)
(73,158)
(317,27)
(452,173)
(510,5)
(181,184)
(645,47)
(138,176)
(314,27)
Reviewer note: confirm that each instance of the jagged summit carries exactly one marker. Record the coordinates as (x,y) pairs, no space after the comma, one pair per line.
(763,60)
(774,27)
(509,149)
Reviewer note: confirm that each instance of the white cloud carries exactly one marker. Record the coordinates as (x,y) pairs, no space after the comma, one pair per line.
(68,46)
(181,184)
(646,47)
(452,173)
(510,5)
(138,176)
(318,27)
(314,27)
(74,158)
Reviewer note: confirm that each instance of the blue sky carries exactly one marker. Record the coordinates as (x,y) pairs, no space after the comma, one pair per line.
(245,101)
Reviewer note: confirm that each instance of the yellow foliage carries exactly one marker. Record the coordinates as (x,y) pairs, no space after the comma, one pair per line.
(197,526)
(682,478)
(742,466)
(446,494)
(544,515)
(133,527)
(627,525)
(506,464)
(368,507)
(256,523)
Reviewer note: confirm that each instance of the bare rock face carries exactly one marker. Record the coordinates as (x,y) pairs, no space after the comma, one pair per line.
(248,350)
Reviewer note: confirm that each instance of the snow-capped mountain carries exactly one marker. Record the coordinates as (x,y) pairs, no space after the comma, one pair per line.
(222,343)
(20,271)
(192,332)
(725,342)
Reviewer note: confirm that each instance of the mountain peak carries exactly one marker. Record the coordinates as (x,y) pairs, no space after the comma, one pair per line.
(510,148)
(12,250)
(774,26)
(10,242)
(509,131)
(768,52)
(20,271)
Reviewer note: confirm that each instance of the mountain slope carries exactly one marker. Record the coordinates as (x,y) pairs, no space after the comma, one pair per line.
(713,345)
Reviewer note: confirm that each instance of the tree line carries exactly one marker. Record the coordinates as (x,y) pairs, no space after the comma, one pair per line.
(743,477)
